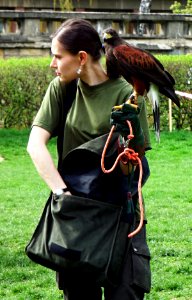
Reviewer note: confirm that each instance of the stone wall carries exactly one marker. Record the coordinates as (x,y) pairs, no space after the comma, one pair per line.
(28,33)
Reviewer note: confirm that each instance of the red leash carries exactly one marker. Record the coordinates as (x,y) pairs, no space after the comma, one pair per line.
(125,156)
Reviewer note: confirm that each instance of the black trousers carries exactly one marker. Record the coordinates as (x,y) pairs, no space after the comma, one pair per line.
(135,277)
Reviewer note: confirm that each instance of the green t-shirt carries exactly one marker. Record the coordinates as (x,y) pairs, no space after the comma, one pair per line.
(89,116)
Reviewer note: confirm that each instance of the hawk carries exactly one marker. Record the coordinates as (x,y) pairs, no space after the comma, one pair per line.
(141,69)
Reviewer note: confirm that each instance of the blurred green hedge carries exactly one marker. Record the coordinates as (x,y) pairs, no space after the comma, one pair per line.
(180,67)
(23,83)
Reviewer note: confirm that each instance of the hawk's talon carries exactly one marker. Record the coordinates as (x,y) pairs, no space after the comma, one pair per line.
(117,107)
(131,101)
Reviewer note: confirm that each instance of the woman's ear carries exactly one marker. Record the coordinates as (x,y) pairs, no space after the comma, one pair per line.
(82,57)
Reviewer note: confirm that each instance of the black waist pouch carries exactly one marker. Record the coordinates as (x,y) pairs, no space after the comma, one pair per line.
(80,235)
(84,232)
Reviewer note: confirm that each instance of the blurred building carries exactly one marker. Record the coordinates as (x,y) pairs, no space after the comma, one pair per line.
(87,5)
(26,25)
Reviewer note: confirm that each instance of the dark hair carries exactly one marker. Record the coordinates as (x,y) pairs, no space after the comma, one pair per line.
(79,35)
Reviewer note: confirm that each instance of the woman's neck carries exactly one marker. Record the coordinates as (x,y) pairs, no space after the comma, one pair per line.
(93,73)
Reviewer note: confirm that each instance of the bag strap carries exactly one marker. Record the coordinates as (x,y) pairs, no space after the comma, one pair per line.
(70,93)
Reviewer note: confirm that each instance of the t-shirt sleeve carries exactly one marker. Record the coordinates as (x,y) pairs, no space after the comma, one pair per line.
(49,112)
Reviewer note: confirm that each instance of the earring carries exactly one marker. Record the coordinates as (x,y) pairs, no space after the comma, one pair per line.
(79,70)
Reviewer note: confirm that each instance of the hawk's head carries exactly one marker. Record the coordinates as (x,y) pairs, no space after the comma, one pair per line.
(110,36)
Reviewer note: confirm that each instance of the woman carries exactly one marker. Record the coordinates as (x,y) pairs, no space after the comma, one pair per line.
(76,49)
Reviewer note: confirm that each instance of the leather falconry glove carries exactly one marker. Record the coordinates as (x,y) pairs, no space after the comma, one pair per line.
(130,113)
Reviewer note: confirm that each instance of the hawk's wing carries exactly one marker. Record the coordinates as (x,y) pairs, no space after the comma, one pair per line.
(134,62)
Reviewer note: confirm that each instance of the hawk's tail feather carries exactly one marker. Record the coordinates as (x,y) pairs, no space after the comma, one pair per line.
(153,95)
(156,117)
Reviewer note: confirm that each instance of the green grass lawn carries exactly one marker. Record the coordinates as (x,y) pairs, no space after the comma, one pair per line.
(168,198)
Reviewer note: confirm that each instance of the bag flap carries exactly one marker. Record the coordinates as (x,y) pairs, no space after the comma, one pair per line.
(93,147)
(81,171)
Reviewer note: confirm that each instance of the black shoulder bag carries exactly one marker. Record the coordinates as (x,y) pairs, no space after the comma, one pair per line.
(82,233)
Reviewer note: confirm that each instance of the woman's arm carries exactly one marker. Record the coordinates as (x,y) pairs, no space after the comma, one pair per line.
(37,149)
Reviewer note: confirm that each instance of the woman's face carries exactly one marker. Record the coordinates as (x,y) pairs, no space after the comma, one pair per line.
(64,63)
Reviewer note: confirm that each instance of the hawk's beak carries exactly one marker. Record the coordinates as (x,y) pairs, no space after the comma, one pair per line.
(107,36)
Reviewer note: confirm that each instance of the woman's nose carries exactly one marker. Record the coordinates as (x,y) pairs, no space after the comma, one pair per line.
(53,63)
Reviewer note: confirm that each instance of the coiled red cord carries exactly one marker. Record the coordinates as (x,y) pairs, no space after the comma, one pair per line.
(127,155)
